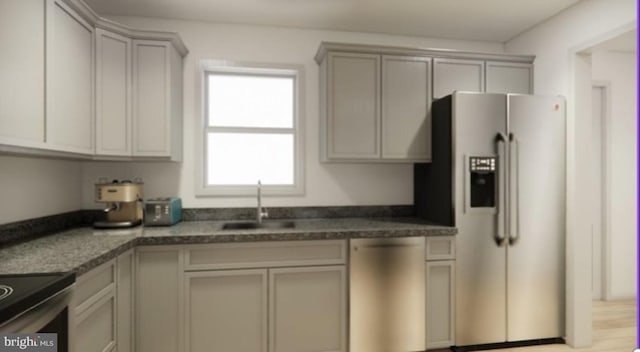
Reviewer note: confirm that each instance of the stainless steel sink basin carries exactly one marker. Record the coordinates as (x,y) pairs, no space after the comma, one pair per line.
(247,225)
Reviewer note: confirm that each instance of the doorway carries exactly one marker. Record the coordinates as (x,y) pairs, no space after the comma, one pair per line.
(601,250)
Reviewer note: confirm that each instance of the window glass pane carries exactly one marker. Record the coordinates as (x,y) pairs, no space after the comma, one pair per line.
(250,101)
(245,158)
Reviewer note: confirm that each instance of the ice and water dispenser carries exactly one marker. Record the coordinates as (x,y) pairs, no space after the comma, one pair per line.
(482,181)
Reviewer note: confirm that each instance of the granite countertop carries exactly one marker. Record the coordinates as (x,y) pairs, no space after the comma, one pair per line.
(82,249)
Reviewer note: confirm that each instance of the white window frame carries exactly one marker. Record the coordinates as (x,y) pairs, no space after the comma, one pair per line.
(208,67)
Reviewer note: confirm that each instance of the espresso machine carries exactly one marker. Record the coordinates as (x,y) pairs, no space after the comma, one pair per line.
(123,203)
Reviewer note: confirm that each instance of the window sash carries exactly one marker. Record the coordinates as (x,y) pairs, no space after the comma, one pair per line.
(275,73)
(254,165)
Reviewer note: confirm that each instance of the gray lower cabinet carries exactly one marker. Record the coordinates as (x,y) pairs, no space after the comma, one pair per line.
(226,310)
(101,315)
(262,297)
(440,300)
(125,283)
(93,318)
(95,327)
(266,297)
(254,296)
(158,304)
(307,308)
(440,291)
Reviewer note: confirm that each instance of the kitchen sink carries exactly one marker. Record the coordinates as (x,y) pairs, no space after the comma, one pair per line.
(247,225)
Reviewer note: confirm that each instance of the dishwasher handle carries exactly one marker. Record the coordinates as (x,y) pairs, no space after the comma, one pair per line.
(398,245)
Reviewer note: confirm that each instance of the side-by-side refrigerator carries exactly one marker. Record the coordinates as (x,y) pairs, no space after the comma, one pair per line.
(498,175)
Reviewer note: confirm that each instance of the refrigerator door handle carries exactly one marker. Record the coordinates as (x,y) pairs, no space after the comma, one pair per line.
(501,218)
(514,185)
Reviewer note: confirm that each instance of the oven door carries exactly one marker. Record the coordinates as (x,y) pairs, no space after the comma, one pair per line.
(50,316)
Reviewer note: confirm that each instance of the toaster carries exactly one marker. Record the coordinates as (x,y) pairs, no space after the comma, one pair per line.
(163,211)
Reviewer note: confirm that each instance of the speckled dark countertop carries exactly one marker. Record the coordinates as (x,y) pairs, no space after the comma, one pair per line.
(82,249)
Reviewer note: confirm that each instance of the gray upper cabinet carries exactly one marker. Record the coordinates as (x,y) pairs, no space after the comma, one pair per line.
(113,94)
(406,98)
(352,106)
(375,101)
(450,75)
(78,72)
(22,73)
(375,108)
(157,100)
(69,80)
(509,77)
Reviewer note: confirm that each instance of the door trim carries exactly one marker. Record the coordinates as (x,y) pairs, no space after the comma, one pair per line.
(606,189)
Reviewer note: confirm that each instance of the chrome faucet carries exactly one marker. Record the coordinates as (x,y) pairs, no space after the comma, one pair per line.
(261,213)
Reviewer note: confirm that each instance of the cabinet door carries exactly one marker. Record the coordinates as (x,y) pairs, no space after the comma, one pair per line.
(406,99)
(69,97)
(22,73)
(95,329)
(506,77)
(307,309)
(152,98)
(450,75)
(353,106)
(158,305)
(440,303)
(226,311)
(125,298)
(113,92)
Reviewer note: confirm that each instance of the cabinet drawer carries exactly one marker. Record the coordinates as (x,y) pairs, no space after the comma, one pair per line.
(265,254)
(441,248)
(92,283)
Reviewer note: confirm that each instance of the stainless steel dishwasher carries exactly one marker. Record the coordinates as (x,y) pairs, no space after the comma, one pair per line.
(387,295)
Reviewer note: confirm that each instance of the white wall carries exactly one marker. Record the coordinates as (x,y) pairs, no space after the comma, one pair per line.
(587,22)
(31,188)
(618,69)
(326,184)
(559,71)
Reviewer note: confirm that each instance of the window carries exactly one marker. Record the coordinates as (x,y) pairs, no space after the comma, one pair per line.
(252,131)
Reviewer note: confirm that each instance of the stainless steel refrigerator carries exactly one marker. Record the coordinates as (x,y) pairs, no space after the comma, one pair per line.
(498,175)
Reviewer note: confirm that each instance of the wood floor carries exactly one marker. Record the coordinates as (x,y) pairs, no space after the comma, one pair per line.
(614,330)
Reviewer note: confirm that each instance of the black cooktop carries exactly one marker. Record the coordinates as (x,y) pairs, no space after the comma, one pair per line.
(21,292)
